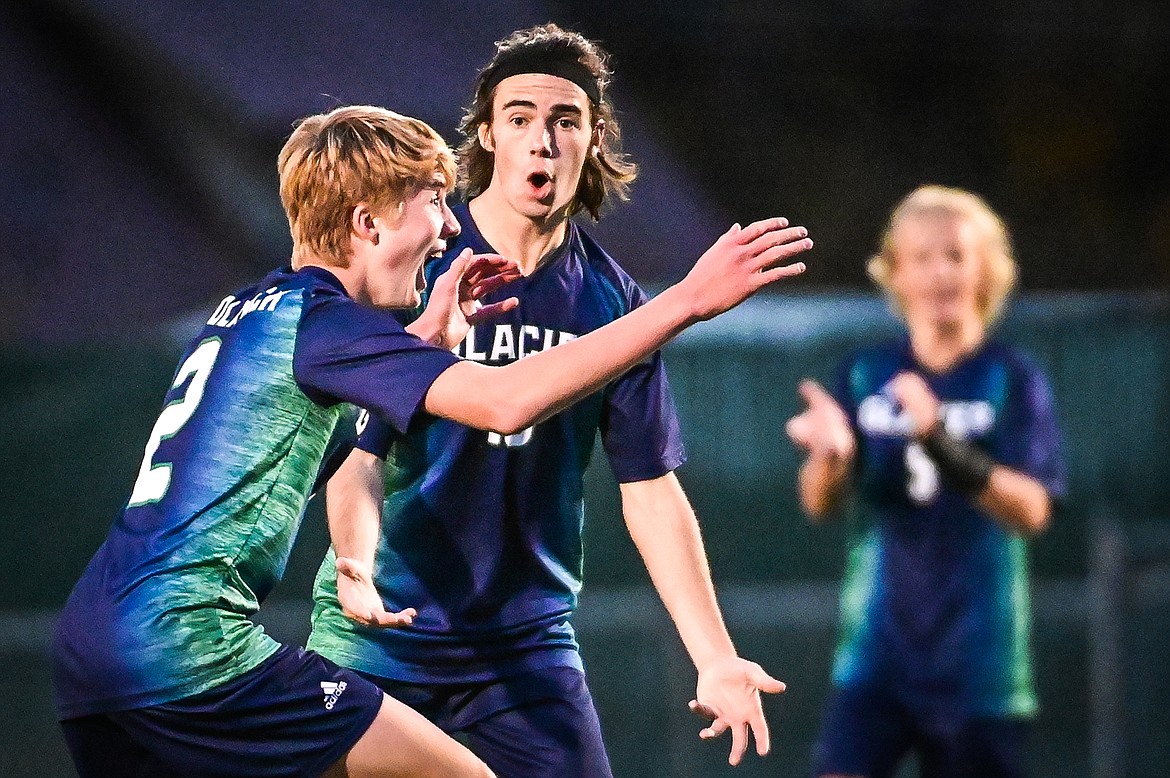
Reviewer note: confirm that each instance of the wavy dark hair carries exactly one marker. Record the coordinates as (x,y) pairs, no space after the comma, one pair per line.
(607,173)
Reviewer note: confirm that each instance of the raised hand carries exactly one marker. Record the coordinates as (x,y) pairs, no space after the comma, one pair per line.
(360,601)
(454,302)
(742,261)
(822,429)
(917,401)
(728,693)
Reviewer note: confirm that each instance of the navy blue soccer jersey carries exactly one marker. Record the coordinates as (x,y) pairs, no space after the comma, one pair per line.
(482,532)
(935,601)
(161,612)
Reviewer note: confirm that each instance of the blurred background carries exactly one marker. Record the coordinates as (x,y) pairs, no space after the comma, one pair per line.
(137,186)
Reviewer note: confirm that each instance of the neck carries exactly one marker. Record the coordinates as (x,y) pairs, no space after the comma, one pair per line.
(353,282)
(939,347)
(525,239)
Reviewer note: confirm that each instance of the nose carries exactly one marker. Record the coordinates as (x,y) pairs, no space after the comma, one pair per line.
(450,223)
(541,140)
(943,266)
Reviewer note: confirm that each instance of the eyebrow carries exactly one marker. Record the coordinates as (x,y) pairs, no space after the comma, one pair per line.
(557,108)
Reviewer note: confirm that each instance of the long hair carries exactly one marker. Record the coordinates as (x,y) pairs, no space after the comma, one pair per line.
(607,172)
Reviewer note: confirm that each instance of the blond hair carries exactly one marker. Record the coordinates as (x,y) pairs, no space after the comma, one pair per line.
(350,155)
(1000,271)
(607,173)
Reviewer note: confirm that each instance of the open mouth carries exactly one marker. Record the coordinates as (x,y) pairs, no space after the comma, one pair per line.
(541,184)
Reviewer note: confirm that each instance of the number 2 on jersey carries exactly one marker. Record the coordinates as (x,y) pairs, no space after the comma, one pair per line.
(153,480)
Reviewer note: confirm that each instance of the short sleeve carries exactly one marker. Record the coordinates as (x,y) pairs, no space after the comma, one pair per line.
(374,436)
(639,428)
(350,352)
(1029,437)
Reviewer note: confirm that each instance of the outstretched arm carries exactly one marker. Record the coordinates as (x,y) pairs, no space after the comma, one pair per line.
(664,529)
(510,398)
(353,503)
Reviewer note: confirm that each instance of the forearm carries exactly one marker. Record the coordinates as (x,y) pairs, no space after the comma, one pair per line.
(510,398)
(353,504)
(1019,502)
(821,483)
(666,533)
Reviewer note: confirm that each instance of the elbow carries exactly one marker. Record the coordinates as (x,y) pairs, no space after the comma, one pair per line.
(1037,519)
(513,421)
(510,415)
(488,401)
(1028,517)
(817,510)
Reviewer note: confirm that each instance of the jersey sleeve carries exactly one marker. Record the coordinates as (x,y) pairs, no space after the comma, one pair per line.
(1030,439)
(349,352)
(639,427)
(375,437)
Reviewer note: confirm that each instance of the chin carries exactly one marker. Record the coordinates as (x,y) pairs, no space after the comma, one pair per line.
(532,208)
(947,321)
(412,301)
(397,301)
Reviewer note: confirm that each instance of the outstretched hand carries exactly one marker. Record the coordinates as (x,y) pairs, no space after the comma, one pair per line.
(454,304)
(743,260)
(359,598)
(728,693)
(822,429)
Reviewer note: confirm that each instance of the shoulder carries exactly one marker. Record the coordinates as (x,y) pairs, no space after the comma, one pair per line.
(599,262)
(882,359)
(310,284)
(280,296)
(865,369)
(469,235)
(1020,366)
(330,318)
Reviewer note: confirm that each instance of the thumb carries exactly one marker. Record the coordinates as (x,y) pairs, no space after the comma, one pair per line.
(767,683)
(462,262)
(811,392)
(797,429)
(350,568)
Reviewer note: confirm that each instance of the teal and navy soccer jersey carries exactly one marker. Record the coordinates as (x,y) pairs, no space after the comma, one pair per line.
(935,601)
(482,532)
(161,612)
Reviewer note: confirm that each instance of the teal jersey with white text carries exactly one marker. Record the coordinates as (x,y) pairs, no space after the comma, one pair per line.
(935,601)
(162,611)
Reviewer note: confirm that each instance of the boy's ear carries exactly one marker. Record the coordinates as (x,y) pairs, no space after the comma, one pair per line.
(361,223)
(484,131)
(598,136)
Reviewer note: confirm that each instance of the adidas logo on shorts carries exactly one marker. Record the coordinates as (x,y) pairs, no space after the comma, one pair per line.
(332,691)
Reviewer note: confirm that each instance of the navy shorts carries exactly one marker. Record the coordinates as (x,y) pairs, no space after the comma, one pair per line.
(869,733)
(295,714)
(535,725)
